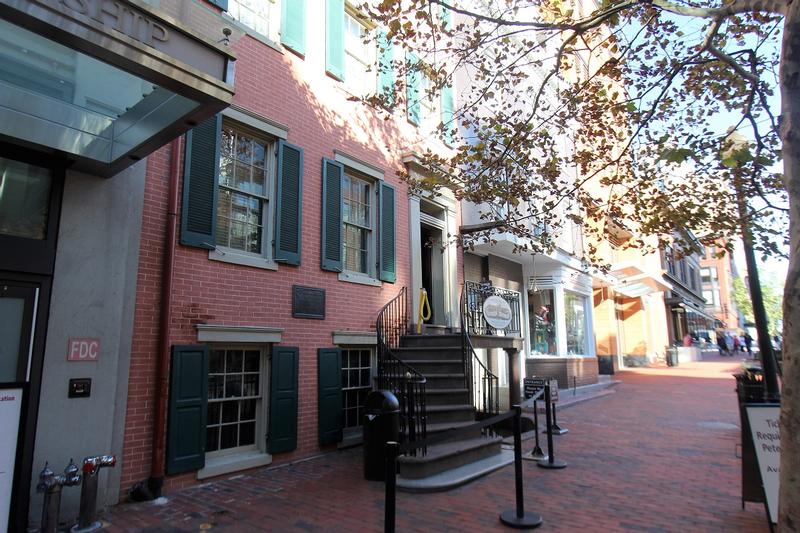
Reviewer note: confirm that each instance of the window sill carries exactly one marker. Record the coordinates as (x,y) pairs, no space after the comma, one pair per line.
(361,279)
(241,259)
(220,466)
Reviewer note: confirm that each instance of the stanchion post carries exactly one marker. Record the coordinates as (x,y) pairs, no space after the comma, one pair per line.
(392,451)
(551,461)
(557,430)
(518,518)
(536,454)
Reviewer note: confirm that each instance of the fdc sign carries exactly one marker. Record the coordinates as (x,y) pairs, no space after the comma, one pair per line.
(83,349)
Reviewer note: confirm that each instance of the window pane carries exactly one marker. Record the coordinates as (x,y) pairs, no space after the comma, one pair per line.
(247,410)
(252,361)
(230,436)
(247,433)
(541,310)
(575,321)
(212,439)
(250,385)
(233,361)
(230,412)
(214,410)
(215,387)
(24,199)
(233,386)
(216,362)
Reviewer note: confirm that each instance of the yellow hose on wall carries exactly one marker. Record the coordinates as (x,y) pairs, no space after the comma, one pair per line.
(423,305)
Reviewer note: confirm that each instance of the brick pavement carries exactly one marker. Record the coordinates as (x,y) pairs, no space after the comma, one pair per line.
(655,456)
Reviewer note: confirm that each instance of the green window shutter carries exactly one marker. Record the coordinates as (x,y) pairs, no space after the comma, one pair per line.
(283,400)
(388,269)
(385,68)
(412,88)
(334,38)
(293,25)
(200,175)
(446,16)
(222,4)
(289,203)
(188,396)
(329,378)
(332,174)
(447,115)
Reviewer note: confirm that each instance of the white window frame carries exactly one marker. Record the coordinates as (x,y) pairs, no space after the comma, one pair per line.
(374,176)
(269,132)
(221,462)
(273,21)
(373,372)
(368,62)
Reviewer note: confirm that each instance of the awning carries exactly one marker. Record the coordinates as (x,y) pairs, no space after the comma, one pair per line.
(104,83)
(633,281)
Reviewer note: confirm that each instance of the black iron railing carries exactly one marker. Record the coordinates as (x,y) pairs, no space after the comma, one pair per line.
(475,294)
(483,385)
(397,376)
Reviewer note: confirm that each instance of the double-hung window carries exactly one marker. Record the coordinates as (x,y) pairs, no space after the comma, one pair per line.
(262,16)
(357,219)
(242,191)
(356,384)
(245,177)
(359,57)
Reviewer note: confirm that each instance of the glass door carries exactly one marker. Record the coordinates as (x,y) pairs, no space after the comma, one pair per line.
(17,310)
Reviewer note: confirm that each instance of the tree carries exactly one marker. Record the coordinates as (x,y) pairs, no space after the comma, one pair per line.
(772,302)
(620,114)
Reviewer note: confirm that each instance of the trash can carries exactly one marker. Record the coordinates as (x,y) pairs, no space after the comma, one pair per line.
(672,356)
(381,425)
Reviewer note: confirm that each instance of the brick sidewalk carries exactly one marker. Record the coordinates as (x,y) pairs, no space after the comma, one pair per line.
(656,456)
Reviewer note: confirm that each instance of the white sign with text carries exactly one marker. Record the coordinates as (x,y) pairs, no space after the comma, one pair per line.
(10,410)
(766,430)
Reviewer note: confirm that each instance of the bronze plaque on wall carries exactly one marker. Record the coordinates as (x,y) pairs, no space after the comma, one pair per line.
(308,302)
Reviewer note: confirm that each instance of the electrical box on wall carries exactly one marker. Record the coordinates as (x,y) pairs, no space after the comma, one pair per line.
(80,388)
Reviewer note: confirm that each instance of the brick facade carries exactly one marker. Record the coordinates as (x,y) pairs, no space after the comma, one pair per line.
(285,88)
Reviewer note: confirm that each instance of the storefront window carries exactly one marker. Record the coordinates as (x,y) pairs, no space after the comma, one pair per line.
(24,199)
(542,313)
(575,320)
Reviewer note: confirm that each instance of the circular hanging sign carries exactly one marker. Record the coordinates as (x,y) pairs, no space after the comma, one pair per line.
(497,312)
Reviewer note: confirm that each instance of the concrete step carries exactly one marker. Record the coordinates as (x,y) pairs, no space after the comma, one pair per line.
(447,396)
(431,340)
(444,381)
(447,456)
(439,414)
(445,353)
(458,476)
(437,366)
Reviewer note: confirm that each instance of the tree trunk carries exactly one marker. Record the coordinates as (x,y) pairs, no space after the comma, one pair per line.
(789,520)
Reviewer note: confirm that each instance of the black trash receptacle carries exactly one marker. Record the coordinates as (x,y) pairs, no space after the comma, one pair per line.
(672,356)
(381,425)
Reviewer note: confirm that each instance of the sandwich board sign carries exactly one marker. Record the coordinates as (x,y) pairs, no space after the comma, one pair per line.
(765,428)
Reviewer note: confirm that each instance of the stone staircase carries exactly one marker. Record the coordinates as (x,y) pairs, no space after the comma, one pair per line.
(439,358)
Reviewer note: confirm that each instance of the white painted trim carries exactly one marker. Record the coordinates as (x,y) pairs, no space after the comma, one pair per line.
(229,256)
(362,279)
(356,164)
(257,122)
(238,334)
(354,338)
(218,466)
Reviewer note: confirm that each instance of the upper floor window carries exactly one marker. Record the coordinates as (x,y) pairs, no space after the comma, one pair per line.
(245,177)
(357,217)
(359,68)
(708,274)
(262,16)
(24,199)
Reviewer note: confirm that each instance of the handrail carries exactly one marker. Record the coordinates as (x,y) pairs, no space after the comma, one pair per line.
(483,390)
(397,376)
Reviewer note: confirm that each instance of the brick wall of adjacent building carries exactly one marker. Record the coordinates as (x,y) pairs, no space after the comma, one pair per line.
(294,91)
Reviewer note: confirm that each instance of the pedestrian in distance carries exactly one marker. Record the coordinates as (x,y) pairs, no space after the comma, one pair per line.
(687,340)
(748,342)
(723,348)
(729,343)
(737,346)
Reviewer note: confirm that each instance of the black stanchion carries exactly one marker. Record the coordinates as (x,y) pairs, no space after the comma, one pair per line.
(551,461)
(536,454)
(518,518)
(557,430)
(392,451)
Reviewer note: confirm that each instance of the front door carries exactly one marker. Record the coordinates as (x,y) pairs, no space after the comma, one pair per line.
(432,255)
(18,301)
